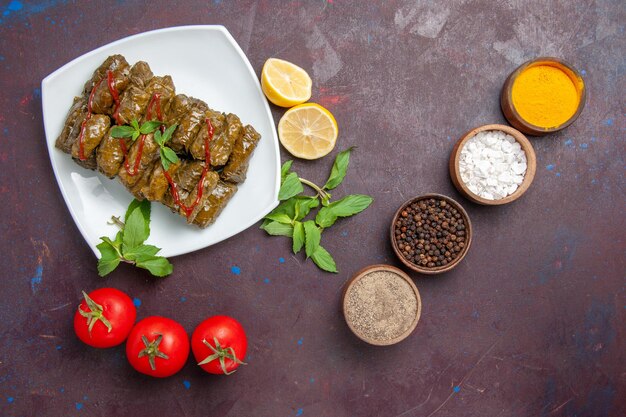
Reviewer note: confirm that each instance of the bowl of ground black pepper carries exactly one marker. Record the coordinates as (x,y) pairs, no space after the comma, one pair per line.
(381,305)
(431,234)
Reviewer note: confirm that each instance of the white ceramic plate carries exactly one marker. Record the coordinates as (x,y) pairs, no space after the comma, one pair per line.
(204,62)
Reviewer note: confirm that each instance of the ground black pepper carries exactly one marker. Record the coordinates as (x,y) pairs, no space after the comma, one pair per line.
(430,233)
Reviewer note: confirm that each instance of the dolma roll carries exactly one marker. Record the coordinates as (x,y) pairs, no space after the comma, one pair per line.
(188,126)
(135,98)
(103,101)
(141,155)
(95,129)
(77,112)
(112,63)
(235,170)
(217,201)
(161,90)
(110,154)
(157,186)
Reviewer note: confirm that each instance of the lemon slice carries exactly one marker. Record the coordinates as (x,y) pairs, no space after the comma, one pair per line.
(284,83)
(308,131)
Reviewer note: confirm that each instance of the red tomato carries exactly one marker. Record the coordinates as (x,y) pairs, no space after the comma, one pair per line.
(157,346)
(104,318)
(219,345)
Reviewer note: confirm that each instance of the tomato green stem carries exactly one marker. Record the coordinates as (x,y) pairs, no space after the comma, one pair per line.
(152,350)
(95,314)
(221,354)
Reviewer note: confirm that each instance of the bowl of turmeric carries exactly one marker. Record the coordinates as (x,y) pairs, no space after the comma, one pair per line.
(542,96)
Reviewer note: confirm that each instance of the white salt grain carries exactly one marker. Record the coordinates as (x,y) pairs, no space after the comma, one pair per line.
(492,164)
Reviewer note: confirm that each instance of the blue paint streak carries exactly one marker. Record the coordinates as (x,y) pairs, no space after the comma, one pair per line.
(17,8)
(312,380)
(457,389)
(79,406)
(85,398)
(300,341)
(558,174)
(59,347)
(183,299)
(608,122)
(583,72)
(299,412)
(2,58)
(187,384)
(266,280)
(14,6)
(594,181)
(281,260)
(61,389)
(6,130)
(584,146)
(550,167)
(235,270)
(137,302)
(37,92)
(10,399)
(344,233)
(36,280)
(569,142)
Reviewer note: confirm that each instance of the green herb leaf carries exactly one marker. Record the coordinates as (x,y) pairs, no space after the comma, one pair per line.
(164,161)
(170,155)
(298,237)
(141,252)
(169,132)
(149,127)
(135,124)
(347,206)
(158,138)
(278,229)
(122,131)
(339,169)
(324,260)
(291,187)
(145,208)
(157,265)
(284,170)
(312,237)
(109,257)
(279,217)
(303,206)
(136,230)
(135,136)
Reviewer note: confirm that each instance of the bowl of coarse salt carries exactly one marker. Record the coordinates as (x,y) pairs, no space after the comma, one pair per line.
(493,164)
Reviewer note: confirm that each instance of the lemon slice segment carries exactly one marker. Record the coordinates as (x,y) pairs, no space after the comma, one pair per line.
(308,131)
(284,83)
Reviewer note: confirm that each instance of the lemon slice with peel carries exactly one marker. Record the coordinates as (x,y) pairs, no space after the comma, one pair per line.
(308,131)
(284,83)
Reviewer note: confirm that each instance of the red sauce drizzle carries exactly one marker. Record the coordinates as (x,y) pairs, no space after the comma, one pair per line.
(115,95)
(205,170)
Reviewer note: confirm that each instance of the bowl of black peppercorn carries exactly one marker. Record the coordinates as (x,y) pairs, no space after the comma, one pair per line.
(431,233)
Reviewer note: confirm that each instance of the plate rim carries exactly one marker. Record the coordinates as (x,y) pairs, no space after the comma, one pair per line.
(78,60)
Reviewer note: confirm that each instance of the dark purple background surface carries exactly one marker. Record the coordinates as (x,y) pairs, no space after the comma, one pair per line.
(530,324)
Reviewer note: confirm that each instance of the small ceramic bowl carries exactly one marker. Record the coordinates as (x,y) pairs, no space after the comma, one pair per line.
(511,114)
(349,286)
(531,162)
(439,269)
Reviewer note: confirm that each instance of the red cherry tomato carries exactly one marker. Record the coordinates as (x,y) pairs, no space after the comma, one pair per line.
(219,345)
(157,346)
(104,318)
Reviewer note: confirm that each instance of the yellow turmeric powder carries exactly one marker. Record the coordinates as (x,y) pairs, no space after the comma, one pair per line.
(545,95)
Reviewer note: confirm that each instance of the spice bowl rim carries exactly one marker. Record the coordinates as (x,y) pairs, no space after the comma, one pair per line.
(440,269)
(529,175)
(365,271)
(511,113)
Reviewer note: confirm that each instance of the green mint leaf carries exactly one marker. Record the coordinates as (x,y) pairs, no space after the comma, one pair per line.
(141,252)
(347,206)
(298,237)
(290,187)
(122,131)
(158,138)
(134,136)
(288,206)
(339,169)
(278,229)
(324,260)
(135,124)
(312,237)
(149,127)
(157,265)
(164,161)
(145,207)
(303,206)
(284,170)
(170,155)
(136,230)
(279,217)
(109,257)
(169,132)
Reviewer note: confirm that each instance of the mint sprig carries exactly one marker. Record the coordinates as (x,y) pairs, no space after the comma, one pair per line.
(128,245)
(168,156)
(133,131)
(288,219)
